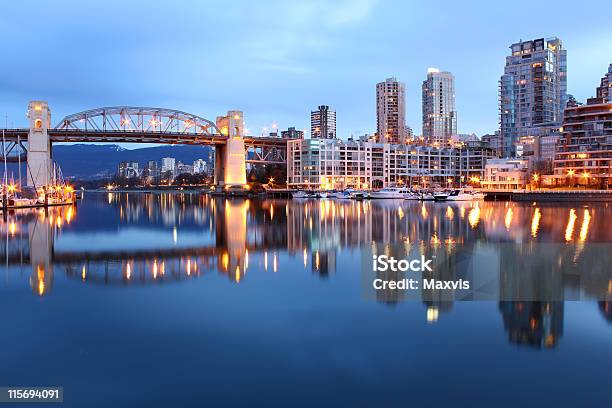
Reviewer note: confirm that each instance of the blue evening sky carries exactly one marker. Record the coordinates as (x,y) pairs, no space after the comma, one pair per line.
(277,60)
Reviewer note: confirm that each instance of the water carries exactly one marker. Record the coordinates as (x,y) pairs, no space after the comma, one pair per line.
(183,300)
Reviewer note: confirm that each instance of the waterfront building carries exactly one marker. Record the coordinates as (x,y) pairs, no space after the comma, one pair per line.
(200,166)
(168,164)
(391,111)
(323,123)
(182,168)
(532,90)
(494,142)
(505,174)
(439,114)
(292,133)
(539,149)
(604,90)
(128,169)
(584,153)
(338,164)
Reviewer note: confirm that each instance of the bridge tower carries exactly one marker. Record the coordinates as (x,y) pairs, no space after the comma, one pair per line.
(230,161)
(39,145)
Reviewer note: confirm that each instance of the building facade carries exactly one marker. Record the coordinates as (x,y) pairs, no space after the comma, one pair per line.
(168,164)
(505,174)
(200,167)
(604,91)
(128,169)
(292,133)
(338,164)
(439,114)
(532,90)
(391,111)
(584,152)
(323,123)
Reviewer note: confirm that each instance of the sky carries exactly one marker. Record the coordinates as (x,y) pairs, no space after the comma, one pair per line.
(278,60)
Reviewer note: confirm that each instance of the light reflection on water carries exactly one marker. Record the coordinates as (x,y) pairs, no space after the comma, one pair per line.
(116,241)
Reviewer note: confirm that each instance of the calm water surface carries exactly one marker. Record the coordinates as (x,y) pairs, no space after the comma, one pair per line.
(183,300)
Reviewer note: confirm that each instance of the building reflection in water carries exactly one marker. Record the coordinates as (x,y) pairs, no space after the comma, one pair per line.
(232,236)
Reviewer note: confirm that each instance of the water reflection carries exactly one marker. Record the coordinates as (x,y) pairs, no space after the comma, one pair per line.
(125,239)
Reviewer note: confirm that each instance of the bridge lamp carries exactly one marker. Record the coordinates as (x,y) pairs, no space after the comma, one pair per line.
(586,174)
(570,173)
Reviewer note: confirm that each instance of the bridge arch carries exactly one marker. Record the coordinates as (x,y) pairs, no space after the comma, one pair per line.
(139,119)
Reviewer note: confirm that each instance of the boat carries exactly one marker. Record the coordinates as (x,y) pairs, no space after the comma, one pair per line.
(359,195)
(440,195)
(301,194)
(427,196)
(390,192)
(342,195)
(465,195)
(321,194)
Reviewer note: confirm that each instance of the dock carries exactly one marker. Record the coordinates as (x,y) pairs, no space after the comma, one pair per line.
(549,195)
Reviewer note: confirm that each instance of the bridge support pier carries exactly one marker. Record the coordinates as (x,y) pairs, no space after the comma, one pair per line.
(230,160)
(39,145)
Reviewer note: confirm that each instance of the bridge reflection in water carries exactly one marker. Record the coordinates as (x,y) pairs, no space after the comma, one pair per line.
(125,239)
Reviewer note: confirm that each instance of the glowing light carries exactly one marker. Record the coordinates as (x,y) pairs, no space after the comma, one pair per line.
(474,216)
(237,274)
(83,272)
(128,271)
(584,229)
(432,314)
(12,228)
(535,222)
(317,260)
(266,260)
(450,213)
(225,260)
(508,218)
(569,230)
(174,235)
(275,263)
(305,257)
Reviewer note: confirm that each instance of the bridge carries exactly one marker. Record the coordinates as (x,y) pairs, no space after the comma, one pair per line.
(126,124)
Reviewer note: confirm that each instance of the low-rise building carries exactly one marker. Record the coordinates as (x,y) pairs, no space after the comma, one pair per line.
(505,174)
(337,164)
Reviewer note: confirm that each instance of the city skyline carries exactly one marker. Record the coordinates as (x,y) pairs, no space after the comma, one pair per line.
(300,66)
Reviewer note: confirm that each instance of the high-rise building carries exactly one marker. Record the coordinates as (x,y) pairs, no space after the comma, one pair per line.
(199,166)
(391,111)
(439,115)
(128,169)
(168,164)
(533,89)
(323,123)
(604,91)
(292,133)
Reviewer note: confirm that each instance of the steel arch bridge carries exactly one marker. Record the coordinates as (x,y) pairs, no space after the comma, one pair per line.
(127,124)
(139,119)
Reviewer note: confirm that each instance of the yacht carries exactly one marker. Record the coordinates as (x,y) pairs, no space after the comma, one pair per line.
(390,192)
(301,194)
(440,195)
(465,195)
(343,194)
(360,195)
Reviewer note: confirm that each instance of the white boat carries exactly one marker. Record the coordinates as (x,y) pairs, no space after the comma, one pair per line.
(341,195)
(412,195)
(360,195)
(440,195)
(390,192)
(322,194)
(427,196)
(301,194)
(465,195)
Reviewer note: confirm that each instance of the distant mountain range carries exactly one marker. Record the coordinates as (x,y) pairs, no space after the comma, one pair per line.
(88,161)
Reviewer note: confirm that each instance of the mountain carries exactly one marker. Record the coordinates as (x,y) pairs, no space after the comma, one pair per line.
(88,161)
